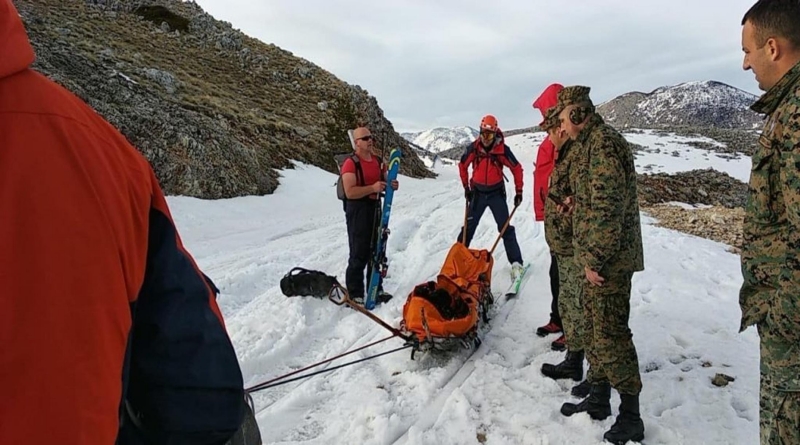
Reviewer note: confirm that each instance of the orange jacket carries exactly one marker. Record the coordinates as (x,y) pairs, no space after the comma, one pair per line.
(88,257)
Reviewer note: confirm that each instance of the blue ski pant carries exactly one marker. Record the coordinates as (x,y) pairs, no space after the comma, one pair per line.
(362,218)
(496,202)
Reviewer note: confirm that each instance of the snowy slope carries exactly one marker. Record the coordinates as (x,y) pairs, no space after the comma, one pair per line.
(442,138)
(684,317)
(697,104)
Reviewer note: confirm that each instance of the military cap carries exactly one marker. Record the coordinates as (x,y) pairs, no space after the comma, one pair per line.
(551,119)
(571,95)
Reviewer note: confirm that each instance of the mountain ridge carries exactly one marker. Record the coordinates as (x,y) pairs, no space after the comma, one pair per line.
(217,113)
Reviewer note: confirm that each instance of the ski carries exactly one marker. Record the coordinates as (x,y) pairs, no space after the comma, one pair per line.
(517,284)
(379,263)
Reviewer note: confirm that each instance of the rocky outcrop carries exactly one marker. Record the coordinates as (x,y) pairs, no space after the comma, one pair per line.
(720,224)
(708,187)
(216,113)
(716,203)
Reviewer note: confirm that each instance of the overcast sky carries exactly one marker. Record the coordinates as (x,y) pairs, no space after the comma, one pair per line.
(436,63)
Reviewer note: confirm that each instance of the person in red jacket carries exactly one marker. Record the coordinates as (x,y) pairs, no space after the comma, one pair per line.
(487,155)
(110,332)
(545,161)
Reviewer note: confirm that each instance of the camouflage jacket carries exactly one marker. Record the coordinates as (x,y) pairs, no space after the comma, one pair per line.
(770,292)
(607,231)
(558,227)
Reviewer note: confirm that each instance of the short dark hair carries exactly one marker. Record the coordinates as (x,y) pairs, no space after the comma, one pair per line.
(775,18)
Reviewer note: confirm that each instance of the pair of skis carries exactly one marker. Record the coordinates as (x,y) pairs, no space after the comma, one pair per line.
(379,262)
(516,283)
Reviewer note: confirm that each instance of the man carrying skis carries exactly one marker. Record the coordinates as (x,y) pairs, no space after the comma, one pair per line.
(363,183)
(487,155)
(558,233)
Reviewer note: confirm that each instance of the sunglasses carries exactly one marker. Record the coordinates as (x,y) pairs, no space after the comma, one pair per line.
(366,138)
(487,134)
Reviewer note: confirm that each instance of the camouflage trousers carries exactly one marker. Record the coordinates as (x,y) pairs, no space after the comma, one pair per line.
(570,303)
(779,408)
(609,340)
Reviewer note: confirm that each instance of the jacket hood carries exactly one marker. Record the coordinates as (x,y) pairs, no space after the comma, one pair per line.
(16,53)
(547,99)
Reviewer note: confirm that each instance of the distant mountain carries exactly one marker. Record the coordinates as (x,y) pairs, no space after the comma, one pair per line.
(691,104)
(443,138)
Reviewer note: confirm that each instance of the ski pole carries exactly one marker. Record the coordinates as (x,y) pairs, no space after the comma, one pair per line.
(505,226)
(464,230)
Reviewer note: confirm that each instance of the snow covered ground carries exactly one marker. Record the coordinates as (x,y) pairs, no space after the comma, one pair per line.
(684,317)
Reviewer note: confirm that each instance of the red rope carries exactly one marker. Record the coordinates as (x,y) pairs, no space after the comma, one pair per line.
(267,383)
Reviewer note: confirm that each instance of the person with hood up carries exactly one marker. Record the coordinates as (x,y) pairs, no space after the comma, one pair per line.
(487,155)
(545,161)
(110,331)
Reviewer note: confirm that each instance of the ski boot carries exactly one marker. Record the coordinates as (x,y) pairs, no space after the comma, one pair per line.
(560,344)
(549,328)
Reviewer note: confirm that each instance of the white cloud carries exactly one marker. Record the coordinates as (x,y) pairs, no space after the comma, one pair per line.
(447,62)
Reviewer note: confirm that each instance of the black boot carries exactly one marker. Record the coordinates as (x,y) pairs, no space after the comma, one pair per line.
(582,389)
(570,368)
(597,405)
(629,425)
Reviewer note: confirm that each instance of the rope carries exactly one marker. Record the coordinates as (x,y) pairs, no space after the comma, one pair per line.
(265,385)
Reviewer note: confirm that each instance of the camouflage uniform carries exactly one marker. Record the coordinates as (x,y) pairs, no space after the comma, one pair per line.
(607,239)
(770,294)
(558,233)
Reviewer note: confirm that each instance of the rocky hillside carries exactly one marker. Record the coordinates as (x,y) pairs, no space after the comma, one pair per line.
(695,104)
(707,187)
(716,203)
(215,111)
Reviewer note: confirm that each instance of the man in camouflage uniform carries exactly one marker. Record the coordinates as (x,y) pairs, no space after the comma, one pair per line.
(770,294)
(608,250)
(558,233)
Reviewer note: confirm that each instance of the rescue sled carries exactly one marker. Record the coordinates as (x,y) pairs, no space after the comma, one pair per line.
(445,314)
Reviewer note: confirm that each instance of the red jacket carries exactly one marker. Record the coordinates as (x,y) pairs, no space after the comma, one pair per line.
(487,167)
(545,159)
(95,276)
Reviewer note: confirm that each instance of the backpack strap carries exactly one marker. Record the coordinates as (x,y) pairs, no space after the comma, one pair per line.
(359,170)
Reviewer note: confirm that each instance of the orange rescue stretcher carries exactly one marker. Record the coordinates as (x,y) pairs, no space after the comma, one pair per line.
(445,313)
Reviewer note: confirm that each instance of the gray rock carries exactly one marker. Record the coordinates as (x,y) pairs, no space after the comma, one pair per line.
(164,78)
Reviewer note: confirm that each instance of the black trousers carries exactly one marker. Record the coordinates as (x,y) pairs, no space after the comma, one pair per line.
(555,317)
(362,222)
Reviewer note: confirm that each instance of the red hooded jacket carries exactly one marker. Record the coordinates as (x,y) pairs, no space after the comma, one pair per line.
(487,166)
(100,301)
(545,158)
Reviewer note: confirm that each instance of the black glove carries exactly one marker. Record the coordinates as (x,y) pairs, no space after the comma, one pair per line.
(518,200)
(468,193)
